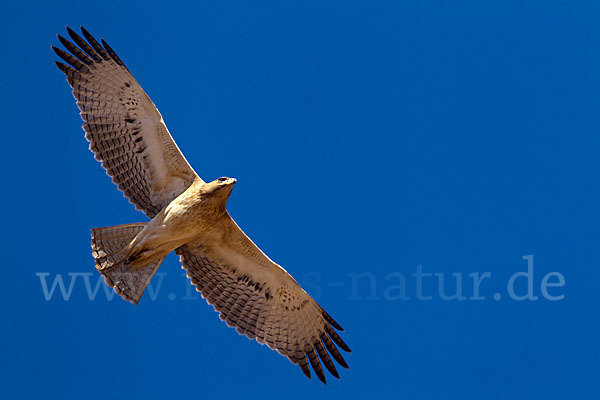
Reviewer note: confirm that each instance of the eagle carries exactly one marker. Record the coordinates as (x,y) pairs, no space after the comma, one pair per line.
(251,293)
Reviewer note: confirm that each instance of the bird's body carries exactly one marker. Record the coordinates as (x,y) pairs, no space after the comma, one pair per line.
(187,215)
(193,215)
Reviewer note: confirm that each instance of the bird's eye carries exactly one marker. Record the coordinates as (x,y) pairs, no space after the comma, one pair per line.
(221,179)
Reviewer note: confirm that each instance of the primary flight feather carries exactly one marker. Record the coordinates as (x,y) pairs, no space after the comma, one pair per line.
(129,137)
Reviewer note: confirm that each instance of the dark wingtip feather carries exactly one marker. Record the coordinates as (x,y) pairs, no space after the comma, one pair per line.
(92,41)
(332,321)
(303,364)
(112,53)
(64,68)
(337,339)
(316,364)
(109,50)
(74,35)
(342,362)
(70,31)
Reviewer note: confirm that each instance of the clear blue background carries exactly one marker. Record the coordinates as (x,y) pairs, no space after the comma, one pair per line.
(366,137)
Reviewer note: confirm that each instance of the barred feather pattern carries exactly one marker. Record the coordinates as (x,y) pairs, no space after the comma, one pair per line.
(125,130)
(107,246)
(284,317)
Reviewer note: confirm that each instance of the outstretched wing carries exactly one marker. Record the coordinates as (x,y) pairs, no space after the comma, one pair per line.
(125,130)
(261,300)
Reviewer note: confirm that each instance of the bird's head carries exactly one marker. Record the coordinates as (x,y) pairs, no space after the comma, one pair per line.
(220,188)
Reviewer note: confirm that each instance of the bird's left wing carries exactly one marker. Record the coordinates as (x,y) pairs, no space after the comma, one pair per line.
(261,300)
(125,130)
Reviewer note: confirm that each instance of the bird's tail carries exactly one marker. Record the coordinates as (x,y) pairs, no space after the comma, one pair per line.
(110,251)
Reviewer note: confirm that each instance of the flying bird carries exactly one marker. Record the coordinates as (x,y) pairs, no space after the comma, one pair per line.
(250,292)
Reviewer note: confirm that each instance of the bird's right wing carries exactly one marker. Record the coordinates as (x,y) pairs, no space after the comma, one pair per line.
(125,130)
(261,300)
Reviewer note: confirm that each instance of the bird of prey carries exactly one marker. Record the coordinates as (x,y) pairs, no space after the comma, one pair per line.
(128,136)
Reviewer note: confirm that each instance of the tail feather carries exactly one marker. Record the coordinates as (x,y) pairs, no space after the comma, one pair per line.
(109,244)
(109,248)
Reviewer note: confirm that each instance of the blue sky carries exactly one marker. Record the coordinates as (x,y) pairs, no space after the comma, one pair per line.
(370,140)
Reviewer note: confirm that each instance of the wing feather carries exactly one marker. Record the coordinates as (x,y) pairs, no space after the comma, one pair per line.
(126,132)
(261,300)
